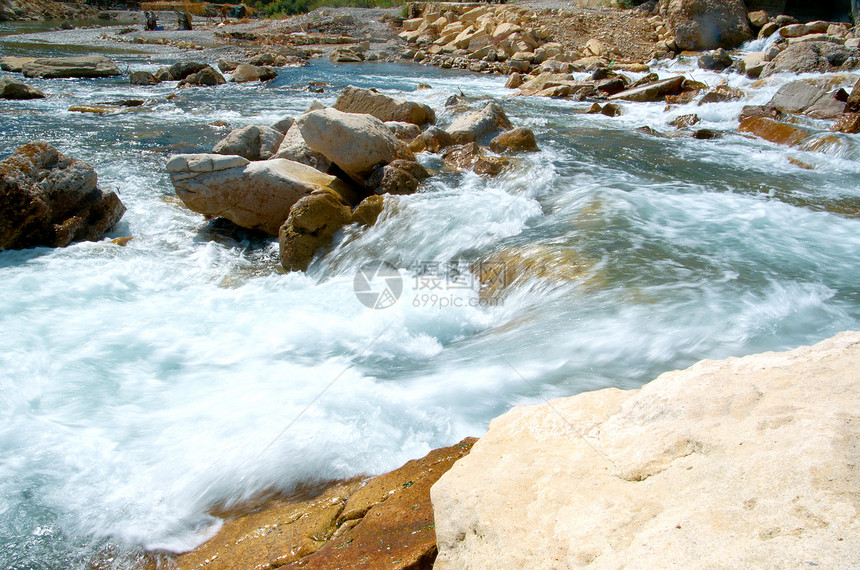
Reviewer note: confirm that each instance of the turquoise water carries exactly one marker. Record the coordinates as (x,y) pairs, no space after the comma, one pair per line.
(141,386)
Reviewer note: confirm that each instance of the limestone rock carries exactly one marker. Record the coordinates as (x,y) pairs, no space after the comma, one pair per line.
(255,195)
(383,107)
(521,139)
(469,128)
(808,57)
(744,462)
(245,73)
(652,91)
(758,18)
(753,64)
(853,102)
(65,67)
(706,24)
(50,199)
(812,97)
(11,88)
(182,69)
(357,143)
(293,147)
(15,63)
(311,225)
(345,55)
(252,142)
(404,131)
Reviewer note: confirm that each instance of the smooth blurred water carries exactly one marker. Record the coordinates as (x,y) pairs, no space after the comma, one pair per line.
(141,386)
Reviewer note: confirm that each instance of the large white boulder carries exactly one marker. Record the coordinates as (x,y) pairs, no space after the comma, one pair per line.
(255,195)
(739,463)
(357,143)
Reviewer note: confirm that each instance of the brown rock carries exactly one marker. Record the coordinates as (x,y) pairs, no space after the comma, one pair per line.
(721,94)
(65,67)
(50,199)
(653,91)
(471,156)
(514,81)
(311,225)
(433,139)
(521,139)
(143,78)
(759,111)
(758,18)
(398,177)
(682,121)
(707,24)
(11,88)
(847,123)
(206,77)
(853,102)
(611,110)
(772,131)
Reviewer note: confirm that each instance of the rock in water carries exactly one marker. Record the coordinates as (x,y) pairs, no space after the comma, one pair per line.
(357,143)
(65,67)
(252,142)
(707,24)
(473,126)
(253,195)
(739,463)
(808,57)
(813,97)
(244,73)
(383,522)
(521,139)
(206,77)
(383,107)
(294,147)
(50,199)
(11,88)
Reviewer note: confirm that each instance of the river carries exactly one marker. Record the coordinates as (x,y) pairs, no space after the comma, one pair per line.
(141,386)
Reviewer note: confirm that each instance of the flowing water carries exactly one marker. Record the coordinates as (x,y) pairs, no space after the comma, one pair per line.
(141,386)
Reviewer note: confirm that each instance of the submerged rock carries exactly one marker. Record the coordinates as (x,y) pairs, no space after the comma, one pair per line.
(743,462)
(253,195)
(773,131)
(11,88)
(521,139)
(383,107)
(65,67)
(50,199)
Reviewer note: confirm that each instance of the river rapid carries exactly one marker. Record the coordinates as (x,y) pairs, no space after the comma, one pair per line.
(143,386)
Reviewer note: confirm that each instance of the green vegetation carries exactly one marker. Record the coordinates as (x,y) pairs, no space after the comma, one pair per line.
(282,8)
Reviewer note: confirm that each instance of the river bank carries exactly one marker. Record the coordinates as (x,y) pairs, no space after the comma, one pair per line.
(635,247)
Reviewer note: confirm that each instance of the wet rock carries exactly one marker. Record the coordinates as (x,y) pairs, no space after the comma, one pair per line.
(611,86)
(182,69)
(206,77)
(853,101)
(357,143)
(808,57)
(50,199)
(717,60)
(768,30)
(143,78)
(253,195)
(705,134)
(245,73)
(66,67)
(433,139)
(847,123)
(721,94)
(521,139)
(773,131)
(706,24)
(682,121)
(759,111)
(753,64)
(404,131)
(312,223)
(613,476)
(471,127)
(383,107)
(228,65)
(471,156)
(11,88)
(398,177)
(293,147)
(653,91)
(611,110)
(813,97)
(252,142)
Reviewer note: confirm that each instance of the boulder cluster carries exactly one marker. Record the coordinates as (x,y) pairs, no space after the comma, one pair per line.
(304,179)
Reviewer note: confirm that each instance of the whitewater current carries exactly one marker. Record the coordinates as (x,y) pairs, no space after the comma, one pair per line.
(142,386)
